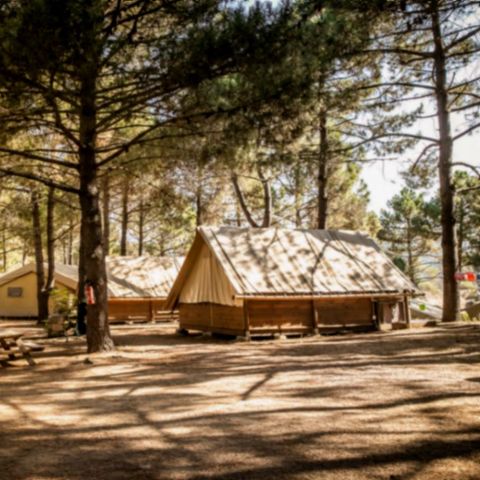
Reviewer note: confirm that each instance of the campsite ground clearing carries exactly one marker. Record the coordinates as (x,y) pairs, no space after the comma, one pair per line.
(396,405)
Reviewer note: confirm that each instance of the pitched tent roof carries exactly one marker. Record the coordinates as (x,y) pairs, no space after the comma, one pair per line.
(128,277)
(284,262)
(141,276)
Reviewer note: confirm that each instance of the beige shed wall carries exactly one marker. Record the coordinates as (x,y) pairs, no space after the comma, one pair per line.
(24,306)
(207,282)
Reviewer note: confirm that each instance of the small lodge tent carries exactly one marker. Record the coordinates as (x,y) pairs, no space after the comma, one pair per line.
(243,282)
(137,288)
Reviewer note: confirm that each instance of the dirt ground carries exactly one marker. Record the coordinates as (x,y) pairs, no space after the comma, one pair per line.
(396,405)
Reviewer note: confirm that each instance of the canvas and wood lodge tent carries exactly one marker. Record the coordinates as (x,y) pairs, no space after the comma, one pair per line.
(244,281)
(137,287)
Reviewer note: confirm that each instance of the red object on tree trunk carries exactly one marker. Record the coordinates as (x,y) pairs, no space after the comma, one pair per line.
(466,276)
(89,295)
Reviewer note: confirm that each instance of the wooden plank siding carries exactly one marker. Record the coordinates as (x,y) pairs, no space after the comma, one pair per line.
(280,316)
(138,310)
(344,312)
(211,317)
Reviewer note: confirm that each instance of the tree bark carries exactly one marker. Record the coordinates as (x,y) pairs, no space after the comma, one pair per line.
(141,225)
(92,267)
(267,201)
(42,299)
(198,206)
(460,234)
(125,217)
(106,213)
(242,202)
(322,180)
(449,261)
(4,250)
(50,243)
(70,242)
(298,196)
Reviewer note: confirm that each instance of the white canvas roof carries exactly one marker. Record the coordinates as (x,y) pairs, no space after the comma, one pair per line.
(283,262)
(141,276)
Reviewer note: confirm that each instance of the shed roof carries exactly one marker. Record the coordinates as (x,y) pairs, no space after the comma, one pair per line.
(282,262)
(128,277)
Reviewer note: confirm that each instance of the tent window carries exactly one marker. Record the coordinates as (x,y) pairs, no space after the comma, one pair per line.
(15,292)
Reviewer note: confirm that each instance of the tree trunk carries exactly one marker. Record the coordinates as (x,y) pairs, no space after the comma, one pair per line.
(50,243)
(141,225)
(125,215)
(411,267)
(106,213)
(70,243)
(242,202)
(460,233)
(42,299)
(298,197)
(322,180)
(449,261)
(198,206)
(92,267)
(4,251)
(267,199)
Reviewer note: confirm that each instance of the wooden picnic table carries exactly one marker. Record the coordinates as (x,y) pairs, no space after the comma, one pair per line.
(11,345)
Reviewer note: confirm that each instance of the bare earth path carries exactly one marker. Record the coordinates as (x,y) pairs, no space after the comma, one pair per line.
(397,405)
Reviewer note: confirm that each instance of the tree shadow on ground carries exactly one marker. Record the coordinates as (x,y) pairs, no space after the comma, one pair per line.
(203,408)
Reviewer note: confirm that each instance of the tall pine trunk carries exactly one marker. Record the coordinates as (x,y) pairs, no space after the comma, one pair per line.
(92,258)
(322,179)
(106,213)
(125,216)
(141,225)
(42,299)
(4,250)
(449,261)
(50,244)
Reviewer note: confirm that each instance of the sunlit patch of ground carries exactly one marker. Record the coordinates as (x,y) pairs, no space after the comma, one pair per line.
(396,405)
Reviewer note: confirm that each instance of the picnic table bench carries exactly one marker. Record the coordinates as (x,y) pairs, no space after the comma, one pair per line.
(11,345)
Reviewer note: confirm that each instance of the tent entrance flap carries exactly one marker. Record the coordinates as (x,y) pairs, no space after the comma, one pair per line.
(207,282)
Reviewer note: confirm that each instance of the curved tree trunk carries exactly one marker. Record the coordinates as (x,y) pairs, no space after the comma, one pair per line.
(267,201)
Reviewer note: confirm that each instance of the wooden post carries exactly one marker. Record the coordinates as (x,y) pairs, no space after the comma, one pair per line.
(151,313)
(407,316)
(246,319)
(375,319)
(315,319)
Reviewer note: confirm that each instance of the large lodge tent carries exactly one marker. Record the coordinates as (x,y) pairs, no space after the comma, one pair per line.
(137,288)
(244,281)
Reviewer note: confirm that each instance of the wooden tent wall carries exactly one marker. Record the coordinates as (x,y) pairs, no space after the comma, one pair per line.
(282,315)
(138,310)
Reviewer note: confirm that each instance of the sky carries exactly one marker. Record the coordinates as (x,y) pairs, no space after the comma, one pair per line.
(383,178)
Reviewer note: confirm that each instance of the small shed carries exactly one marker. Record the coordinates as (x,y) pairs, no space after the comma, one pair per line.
(243,281)
(18,289)
(137,288)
